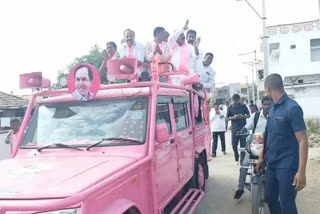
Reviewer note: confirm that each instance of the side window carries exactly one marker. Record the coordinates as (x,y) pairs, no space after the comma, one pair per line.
(199,112)
(181,116)
(163,115)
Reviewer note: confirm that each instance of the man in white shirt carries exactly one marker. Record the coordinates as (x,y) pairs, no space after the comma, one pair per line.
(191,39)
(207,74)
(158,51)
(218,128)
(132,49)
(257,123)
(183,55)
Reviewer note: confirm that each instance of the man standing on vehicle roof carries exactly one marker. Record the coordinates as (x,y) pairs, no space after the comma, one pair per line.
(191,39)
(183,55)
(158,50)
(132,49)
(108,54)
(286,149)
(237,113)
(207,74)
(257,123)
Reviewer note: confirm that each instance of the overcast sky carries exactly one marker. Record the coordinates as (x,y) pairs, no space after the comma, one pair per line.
(40,35)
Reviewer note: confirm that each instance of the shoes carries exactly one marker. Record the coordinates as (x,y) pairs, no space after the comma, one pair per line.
(224,153)
(238,194)
(213,155)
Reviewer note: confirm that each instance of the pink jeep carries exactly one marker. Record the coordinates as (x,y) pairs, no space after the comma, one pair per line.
(139,147)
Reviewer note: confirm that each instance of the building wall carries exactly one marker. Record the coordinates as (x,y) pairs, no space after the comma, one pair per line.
(301,75)
(308,98)
(297,61)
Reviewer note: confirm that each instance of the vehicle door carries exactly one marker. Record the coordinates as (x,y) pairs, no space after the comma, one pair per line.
(184,137)
(201,123)
(166,163)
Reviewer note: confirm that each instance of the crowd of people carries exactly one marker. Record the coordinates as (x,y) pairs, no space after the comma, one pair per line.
(181,49)
(285,150)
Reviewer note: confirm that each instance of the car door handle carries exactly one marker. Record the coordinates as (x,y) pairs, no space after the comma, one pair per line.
(190,132)
(172,140)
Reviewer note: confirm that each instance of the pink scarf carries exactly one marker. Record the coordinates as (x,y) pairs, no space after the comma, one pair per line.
(184,57)
(130,51)
(115,55)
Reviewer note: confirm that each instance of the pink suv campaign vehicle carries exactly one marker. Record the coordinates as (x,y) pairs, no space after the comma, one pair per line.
(138,147)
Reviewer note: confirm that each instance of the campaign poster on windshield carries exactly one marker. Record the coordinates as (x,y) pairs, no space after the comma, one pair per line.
(83,81)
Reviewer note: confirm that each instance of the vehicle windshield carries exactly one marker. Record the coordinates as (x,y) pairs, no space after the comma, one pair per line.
(84,123)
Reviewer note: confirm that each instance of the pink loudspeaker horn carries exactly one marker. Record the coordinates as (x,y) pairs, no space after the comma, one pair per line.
(122,69)
(191,79)
(34,80)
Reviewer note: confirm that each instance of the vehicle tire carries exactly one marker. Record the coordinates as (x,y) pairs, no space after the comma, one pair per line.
(258,204)
(198,179)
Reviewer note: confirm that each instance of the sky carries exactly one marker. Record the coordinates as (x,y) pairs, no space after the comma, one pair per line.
(43,35)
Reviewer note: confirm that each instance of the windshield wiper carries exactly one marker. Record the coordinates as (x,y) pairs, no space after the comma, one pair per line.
(61,145)
(113,138)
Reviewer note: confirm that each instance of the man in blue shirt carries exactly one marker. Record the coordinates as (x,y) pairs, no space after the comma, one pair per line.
(237,113)
(286,150)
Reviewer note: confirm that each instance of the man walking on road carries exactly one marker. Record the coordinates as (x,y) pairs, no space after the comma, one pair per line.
(257,123)
(286,149)
(237,113)
(218,128)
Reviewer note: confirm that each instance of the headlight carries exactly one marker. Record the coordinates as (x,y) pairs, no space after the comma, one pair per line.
(66,211)
(256,149)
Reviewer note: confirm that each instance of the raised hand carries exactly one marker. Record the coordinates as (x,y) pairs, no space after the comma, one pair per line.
(157,50)
(185,27)
(106,56)
(196,44)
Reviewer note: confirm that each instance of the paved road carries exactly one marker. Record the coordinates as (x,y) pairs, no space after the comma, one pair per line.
(222,184)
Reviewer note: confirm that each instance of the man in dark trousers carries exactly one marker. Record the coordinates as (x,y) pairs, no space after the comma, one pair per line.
(286,149)
(237,113)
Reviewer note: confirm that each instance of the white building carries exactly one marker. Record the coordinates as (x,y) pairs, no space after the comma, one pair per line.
(295,54)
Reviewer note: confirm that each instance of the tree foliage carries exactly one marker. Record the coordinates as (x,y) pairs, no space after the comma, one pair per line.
(95,58)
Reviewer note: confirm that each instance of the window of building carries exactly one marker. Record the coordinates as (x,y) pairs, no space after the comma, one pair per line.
(315,50)
(163,115)
(181,116)
(273,47)
(244,90)
(292,46)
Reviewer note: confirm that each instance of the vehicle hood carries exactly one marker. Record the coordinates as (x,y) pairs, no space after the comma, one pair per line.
(55,177)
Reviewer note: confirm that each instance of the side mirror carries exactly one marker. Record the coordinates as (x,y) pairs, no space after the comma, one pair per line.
(162,133)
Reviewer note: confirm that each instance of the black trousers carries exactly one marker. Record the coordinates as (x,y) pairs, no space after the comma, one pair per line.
(215,136)
(235,142)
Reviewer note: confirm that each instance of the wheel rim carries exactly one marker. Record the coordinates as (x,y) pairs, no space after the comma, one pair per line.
(200,177)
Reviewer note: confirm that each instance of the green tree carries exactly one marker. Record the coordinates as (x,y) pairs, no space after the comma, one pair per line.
(61,74)
(95,58)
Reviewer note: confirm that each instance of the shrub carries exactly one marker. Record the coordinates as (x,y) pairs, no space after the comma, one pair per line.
(313,129)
